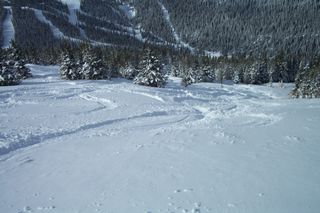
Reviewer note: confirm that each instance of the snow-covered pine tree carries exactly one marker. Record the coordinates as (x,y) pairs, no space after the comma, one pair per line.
(307,83)
(175,69)
(15,54)
(22,70)
(280,68)
(151,71)
(248,69)
(259,73)
(236,77)
(208,74)
(189,77)
(69,69)
(128,72)
(8,74)
(93,67)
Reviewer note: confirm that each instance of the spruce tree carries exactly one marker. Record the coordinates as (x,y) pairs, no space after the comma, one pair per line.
(9,74)
(93,67)
(151,71)
(128,72)
(69,69)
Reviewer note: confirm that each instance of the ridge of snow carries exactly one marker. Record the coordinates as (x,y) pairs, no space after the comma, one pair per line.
(8,29)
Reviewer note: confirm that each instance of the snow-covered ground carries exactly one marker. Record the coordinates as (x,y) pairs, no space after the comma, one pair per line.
(8,29)
(111,146)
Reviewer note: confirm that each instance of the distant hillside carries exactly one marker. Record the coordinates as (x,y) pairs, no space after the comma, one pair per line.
(238,27)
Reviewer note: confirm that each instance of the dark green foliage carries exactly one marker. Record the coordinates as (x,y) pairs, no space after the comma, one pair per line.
(247,26)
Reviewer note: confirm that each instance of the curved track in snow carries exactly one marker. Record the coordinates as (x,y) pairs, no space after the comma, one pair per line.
(100,146)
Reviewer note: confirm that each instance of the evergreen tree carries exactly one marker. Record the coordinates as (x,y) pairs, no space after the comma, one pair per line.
(189,77)
(128,72)
(15,56)
(69,69)
(151,71)
(9,75)
(236,77)
(307,83)
(93,67)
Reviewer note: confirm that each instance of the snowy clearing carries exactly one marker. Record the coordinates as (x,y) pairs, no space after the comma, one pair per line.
(8,29)
(112,146)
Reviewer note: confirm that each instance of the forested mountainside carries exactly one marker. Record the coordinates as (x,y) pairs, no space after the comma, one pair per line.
(257,41)
(249,27)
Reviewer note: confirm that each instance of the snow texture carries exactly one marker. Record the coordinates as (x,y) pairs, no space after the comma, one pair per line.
(112,146)
(8,29)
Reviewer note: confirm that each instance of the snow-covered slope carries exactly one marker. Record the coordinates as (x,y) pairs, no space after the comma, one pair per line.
(8,29)
(75,4)
(111,146)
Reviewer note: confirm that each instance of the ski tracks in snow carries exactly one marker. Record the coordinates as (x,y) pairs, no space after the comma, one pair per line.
(106,107)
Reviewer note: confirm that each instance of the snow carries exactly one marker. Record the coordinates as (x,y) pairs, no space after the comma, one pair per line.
(8,29)
(75,4)
(213,54)
(128,10)
(112,146)
(73,18)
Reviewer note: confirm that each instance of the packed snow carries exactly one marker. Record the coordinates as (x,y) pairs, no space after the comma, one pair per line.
(75,4)
(8,29)
(112,146)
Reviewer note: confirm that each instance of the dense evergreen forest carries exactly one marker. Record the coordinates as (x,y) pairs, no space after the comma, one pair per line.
(260,41)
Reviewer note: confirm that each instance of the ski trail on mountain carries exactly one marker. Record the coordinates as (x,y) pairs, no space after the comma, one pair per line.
(8,29)
(174,33)
(56,32)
